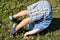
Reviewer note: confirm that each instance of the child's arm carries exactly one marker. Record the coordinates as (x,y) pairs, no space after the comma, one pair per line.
(30,33)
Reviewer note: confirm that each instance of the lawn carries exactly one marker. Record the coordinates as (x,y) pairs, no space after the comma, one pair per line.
(10,7)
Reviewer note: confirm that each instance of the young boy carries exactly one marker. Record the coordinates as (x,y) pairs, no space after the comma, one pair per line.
(40,13)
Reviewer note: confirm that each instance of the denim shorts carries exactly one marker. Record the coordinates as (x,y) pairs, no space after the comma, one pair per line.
(41,14)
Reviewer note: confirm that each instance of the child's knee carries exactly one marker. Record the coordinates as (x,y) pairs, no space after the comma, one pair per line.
(28,19)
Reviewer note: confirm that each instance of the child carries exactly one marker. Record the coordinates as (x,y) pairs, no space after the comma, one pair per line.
(40,13)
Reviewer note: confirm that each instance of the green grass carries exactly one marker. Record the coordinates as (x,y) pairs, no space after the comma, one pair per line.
(10,7)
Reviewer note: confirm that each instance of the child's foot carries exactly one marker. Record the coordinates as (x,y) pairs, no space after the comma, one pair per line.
(26,37)
(12,33)
(12,18)
(13,30)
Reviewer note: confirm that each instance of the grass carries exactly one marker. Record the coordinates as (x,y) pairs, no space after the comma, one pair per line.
(10,7)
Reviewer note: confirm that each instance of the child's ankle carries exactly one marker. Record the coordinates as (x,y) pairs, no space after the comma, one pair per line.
(14,17)
(15,30)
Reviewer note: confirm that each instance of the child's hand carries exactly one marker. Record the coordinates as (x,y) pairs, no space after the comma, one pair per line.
(26,37)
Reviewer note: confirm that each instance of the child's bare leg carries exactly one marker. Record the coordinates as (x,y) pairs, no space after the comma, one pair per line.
(22,13)
(24,22)
(30,33)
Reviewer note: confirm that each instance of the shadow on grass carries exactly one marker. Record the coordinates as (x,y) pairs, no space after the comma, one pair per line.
(55,25)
